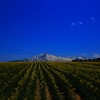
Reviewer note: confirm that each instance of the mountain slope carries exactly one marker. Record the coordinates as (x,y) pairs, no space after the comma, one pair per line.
(48,57)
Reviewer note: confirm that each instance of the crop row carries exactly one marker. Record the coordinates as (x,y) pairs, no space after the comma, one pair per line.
(80,78)
(49,81)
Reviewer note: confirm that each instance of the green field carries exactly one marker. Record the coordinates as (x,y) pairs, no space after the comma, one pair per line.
(50,81)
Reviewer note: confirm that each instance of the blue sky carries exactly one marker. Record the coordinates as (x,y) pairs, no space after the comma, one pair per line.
(59,27)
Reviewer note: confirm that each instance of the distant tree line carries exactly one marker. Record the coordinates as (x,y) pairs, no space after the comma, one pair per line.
(97,60)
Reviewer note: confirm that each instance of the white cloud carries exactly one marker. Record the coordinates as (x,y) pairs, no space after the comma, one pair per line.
(92,18)
(72,24)
(96,55)
(80,23)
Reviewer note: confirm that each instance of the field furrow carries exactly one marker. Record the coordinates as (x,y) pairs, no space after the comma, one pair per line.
(50,80)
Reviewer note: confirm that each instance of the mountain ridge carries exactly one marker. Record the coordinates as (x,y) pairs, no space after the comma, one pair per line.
(49,57)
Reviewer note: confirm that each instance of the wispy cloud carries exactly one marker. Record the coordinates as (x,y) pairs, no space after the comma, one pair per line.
(72,24)
(96,55)
(80,23)
(92,18)
(77,23)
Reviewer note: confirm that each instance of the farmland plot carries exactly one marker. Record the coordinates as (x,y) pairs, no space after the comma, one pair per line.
(50,81)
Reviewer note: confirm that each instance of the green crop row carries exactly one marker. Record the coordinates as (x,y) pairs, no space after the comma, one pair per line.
(50,80)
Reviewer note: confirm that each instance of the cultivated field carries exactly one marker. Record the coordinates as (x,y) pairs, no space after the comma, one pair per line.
(50,81)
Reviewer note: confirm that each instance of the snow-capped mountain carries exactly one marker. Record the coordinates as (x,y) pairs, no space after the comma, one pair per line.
(81,58)
(48,57)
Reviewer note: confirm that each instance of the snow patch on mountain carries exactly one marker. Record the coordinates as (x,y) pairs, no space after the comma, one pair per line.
(48,57)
